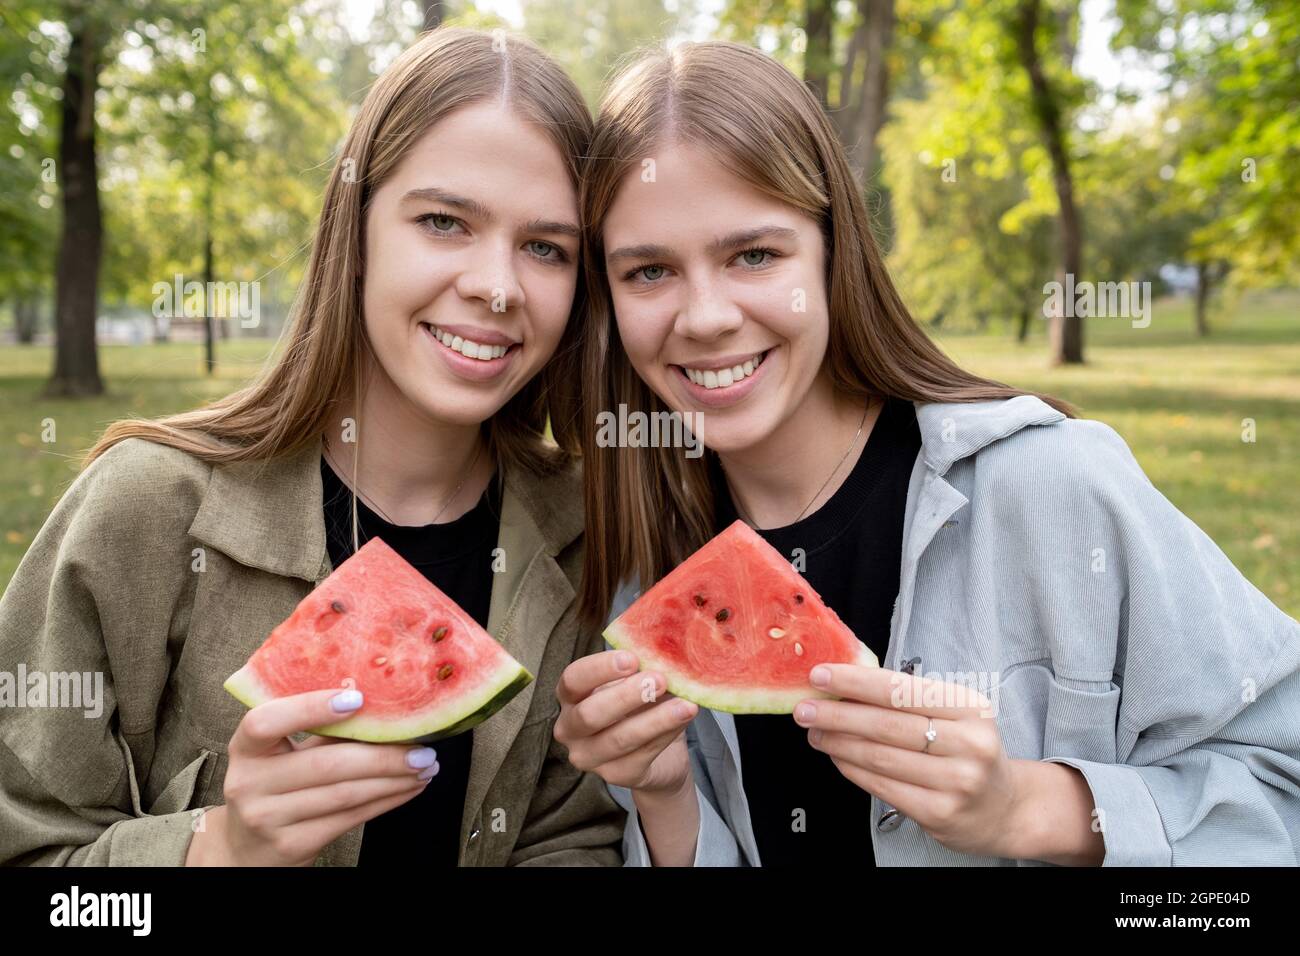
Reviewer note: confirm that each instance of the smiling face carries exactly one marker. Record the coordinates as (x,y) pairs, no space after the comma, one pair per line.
(471,251)
(720,295)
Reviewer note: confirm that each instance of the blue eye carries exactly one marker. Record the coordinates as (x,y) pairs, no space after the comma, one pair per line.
(756,257)
(544,250)
(651,273)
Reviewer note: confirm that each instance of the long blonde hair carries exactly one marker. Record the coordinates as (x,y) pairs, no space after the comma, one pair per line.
(648,508)
(289,405)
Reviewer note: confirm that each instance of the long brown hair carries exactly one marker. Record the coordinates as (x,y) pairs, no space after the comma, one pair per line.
(325,347)
(648,508)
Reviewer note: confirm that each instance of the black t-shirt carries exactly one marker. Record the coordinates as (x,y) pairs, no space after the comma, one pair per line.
(457,558)
(804,811)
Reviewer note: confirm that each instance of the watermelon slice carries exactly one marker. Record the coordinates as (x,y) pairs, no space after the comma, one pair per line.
(734,627)
(425,667)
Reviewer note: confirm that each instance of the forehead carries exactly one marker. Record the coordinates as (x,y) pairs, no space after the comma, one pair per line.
(489,153)
(687,193)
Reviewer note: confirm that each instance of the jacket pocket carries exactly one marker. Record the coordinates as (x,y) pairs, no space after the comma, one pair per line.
(1080,720)
(1041,714)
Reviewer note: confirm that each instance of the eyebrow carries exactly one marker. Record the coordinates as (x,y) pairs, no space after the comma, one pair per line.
(732,240)
(479,211)
(434,194)
(552,227)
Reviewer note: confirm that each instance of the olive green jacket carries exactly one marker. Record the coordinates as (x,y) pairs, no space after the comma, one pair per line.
(162,574)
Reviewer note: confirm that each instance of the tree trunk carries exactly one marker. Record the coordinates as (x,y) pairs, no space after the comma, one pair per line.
(1066,331)
(76,282)
(864,103)
(819,18)
(1022,326)
(1204,283)
(875,85)
(434,12)
(26,318)
(209,193)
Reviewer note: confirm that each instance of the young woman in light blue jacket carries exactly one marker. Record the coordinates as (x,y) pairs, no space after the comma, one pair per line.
(1072,672)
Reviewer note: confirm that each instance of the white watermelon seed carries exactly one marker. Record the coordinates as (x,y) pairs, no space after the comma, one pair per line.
(798,649)
(380,661)
(775,632)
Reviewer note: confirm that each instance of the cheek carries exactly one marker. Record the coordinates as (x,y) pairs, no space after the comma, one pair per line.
(550,300)
(643,327)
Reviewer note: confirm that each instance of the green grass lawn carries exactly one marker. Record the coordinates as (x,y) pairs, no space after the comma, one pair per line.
(1179,402)
(141,381)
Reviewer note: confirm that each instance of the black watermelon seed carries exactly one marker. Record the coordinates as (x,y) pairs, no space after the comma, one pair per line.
(337,607)
(444,672)
(439,634)
(723,614)
(699,600)
(798,599)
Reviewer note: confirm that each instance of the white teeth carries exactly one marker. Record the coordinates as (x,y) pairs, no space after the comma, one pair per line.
(476,350)
(721,378)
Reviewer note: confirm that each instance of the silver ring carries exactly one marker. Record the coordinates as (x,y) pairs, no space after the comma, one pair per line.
(930,735)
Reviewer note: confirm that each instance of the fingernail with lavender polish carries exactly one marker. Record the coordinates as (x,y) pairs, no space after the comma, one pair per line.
(343,702)
(419,758)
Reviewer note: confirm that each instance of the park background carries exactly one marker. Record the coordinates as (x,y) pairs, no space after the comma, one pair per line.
(1000,144)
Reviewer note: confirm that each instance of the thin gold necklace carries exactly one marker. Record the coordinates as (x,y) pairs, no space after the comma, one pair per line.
(329,457)
(858,434)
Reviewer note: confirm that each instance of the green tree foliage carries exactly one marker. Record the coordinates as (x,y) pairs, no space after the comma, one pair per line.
(1231,74)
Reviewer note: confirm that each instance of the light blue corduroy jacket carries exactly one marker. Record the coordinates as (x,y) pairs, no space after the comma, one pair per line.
(1113,634)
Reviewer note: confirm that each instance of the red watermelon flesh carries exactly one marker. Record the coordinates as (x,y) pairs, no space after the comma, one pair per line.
(734,627)
(425,668)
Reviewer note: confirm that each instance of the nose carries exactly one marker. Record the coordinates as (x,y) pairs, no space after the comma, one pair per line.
(491,277)
(708,312)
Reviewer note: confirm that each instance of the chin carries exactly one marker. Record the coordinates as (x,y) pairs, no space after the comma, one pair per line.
(727,434)
(466,412)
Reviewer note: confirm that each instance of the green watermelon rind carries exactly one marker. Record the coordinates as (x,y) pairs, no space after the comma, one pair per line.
(451,718)
(732,700)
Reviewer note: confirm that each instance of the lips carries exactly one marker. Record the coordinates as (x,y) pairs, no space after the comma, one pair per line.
(472,360)
(704,387)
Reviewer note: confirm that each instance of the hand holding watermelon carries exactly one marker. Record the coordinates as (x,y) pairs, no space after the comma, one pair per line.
(960,787)
(287,801)
(619,724)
